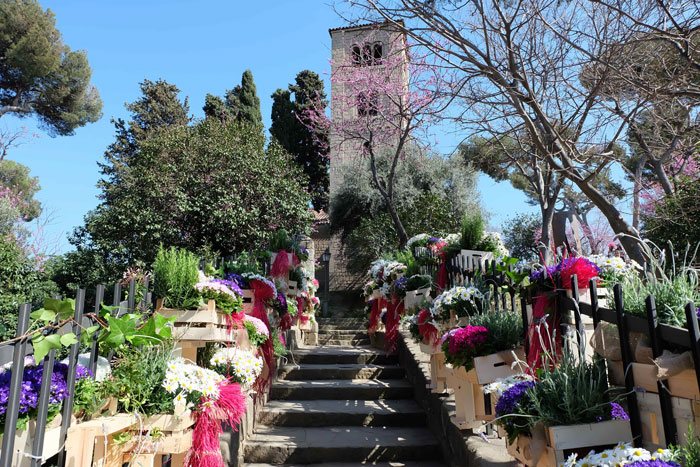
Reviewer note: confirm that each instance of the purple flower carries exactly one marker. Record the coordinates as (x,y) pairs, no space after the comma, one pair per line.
(512,397)
(231,284)
(617,412)
(400,283)
(281,303)
(238,279)
(653,463)
(433,239)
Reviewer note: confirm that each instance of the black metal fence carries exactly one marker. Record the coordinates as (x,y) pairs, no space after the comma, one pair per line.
(20,347)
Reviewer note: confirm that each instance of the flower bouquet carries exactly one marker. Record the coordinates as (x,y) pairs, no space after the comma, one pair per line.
(457,302)
(239,365)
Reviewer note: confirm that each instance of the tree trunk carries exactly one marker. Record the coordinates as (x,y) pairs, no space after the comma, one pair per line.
(547,211)
(626,234)
(398,225)
(559,219)
(661,174)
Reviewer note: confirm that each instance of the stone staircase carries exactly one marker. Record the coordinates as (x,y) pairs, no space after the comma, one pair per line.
(342,403)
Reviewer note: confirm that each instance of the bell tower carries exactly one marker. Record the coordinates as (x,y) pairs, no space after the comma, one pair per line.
(375,49)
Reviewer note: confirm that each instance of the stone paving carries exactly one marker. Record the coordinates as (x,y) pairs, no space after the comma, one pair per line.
(339,404)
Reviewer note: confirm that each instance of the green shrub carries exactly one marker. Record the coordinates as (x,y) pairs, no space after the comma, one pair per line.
(505,329)
(137,381)
(472,230)
(175,273)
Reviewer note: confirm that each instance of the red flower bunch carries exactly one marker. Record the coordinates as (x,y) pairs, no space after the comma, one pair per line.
(426,329)
(438,246)
(583,268)
(461,345)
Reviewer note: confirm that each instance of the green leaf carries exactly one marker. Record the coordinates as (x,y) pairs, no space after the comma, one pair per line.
(68,339)
(44,315)
(43,345)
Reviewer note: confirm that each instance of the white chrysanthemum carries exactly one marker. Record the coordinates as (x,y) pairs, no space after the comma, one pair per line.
(415,239)
(189,378)
(243,365)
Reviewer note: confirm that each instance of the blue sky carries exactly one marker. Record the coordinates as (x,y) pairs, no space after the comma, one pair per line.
(202,47)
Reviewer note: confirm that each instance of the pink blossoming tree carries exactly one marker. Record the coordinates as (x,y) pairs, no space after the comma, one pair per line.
(385,106)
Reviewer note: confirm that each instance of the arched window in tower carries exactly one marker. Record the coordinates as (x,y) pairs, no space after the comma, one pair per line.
(367,103)
(367,54)
(378,52)
(356,55)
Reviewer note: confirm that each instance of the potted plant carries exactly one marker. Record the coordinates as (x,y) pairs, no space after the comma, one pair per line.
(417,289)
(175,273)
(479,354)
(456,303)
(476,248)
(29,400)
(568,409)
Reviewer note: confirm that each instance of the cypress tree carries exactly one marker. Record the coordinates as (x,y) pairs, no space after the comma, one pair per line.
(249,110)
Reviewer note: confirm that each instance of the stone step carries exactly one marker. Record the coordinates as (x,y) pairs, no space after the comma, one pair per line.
(345,342)
(355,389)
(404,412)
(277,445)
(325,355)
(343,332)
(336,321)
(340,371)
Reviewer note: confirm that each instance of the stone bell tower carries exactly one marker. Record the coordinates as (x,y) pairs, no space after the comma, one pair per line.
(378,48)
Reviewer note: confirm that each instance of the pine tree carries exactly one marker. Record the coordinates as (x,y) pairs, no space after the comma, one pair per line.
(291,128)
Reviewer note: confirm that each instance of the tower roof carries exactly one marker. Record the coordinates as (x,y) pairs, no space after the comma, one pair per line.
(365,26)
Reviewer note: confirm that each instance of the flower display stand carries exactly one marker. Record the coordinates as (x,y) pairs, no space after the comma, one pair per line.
(309,331)
(193,329)
(112,441)
(414,298)
(686,414)
(470,400)
(24,440)
(438,373)
(551,446)
(498,365)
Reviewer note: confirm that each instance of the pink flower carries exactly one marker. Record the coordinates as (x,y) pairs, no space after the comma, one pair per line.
(468,339)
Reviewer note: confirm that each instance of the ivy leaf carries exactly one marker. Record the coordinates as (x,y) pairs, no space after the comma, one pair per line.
(43,345)
(119,331)
(68,339)
(64,308)
(44,315)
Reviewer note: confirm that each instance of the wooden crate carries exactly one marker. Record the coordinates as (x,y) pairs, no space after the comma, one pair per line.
(470,258)
(438,374)
(561,441)
(498,365)
(94,443)
(469,397)
(686,413)
(414,298)
(684,384)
